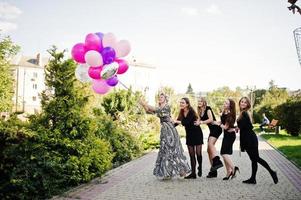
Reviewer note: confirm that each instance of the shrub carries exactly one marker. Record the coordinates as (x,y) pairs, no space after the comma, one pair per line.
(124,146)
(289,114)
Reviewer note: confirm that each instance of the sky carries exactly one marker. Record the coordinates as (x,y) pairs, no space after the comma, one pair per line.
(208,43)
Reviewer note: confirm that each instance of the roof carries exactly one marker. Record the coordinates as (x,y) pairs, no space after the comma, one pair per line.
(29,61)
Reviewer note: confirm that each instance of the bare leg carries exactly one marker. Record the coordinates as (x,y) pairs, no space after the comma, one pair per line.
(211,148)
(228,164)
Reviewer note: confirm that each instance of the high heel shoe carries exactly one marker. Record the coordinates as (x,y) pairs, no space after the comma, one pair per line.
(190,176)
(235,170)
(212,174)
(228,177)
(250,181)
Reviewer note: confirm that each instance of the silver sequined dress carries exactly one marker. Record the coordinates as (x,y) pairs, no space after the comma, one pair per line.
(171,160)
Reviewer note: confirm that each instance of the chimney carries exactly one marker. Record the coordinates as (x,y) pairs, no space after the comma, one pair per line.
(39,59)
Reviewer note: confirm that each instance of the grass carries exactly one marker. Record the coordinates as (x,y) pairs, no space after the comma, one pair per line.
(287,144)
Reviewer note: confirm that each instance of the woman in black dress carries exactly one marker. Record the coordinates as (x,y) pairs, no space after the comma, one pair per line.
(249,141)
(227,124)
(207,117)
(194,135)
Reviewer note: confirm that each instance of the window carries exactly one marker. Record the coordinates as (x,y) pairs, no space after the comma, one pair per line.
(35,86)
(35,75)
(34,98)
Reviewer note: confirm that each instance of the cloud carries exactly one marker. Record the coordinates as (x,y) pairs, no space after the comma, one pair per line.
(213,10)
(190,11)
(7,27)
(8,11)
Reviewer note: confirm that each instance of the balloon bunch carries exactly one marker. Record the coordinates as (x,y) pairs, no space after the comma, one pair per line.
(99,60)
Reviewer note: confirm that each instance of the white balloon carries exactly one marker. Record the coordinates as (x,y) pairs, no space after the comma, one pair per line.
(81,73)
(109,70)
(93,58)
(122,48)
(109,40)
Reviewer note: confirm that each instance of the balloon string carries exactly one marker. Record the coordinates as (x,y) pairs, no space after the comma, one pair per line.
(123,85)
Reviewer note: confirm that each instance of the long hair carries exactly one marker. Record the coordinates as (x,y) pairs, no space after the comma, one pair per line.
(201,109)
(231,117)
(190,109)
(246,109)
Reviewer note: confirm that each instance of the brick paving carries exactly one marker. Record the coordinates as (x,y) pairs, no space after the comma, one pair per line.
(134,180)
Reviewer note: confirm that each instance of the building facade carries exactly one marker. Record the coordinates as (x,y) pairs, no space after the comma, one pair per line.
(29,83)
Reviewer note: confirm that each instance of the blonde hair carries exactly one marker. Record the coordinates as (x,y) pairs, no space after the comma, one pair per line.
(247,108)
(165,96)
(200,109)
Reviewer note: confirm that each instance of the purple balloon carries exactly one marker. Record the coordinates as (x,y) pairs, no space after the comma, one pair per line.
(100,35)
(112,81)
(108,55)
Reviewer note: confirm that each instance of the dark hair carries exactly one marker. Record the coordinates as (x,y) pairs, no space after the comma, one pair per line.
(231,117)
(190,109)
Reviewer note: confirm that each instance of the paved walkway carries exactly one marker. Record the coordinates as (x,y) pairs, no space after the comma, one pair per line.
(134,180)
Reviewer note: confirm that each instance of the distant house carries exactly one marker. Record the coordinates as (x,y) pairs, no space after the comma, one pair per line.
(29,83)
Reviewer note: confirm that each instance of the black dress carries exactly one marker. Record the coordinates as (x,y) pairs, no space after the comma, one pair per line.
(248,138)
(215,130)
(229,138)
(194,134)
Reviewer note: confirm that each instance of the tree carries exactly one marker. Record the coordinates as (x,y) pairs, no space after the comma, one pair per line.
(7,50)
(189,90)
(65,151)
(259,94)
(271,99)
(217,97)
(121,101)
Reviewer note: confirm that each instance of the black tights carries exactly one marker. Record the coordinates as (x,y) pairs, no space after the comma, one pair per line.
(197,149)
(254,156)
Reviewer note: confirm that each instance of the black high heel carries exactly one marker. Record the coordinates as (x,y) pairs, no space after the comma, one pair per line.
(235,170)
(228,177)
(250,181)
(190,176)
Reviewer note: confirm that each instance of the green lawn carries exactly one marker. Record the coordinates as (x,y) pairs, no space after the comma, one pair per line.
(287,144)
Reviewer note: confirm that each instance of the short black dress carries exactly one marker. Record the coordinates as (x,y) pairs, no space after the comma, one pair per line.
(215,130)
(229,138)
(248,138)
(194,134)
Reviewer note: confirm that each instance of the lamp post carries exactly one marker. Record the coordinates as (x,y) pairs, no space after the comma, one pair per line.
(252,97)
(297,36)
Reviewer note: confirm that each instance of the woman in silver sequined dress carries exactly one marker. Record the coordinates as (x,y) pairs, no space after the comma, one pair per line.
(171,160)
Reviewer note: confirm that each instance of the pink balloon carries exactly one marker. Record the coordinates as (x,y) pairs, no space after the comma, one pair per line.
(109,40)
(78,52)
(123,66)
(94,72)
(100,86)
(122,48)
(93,58)
(93,42)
